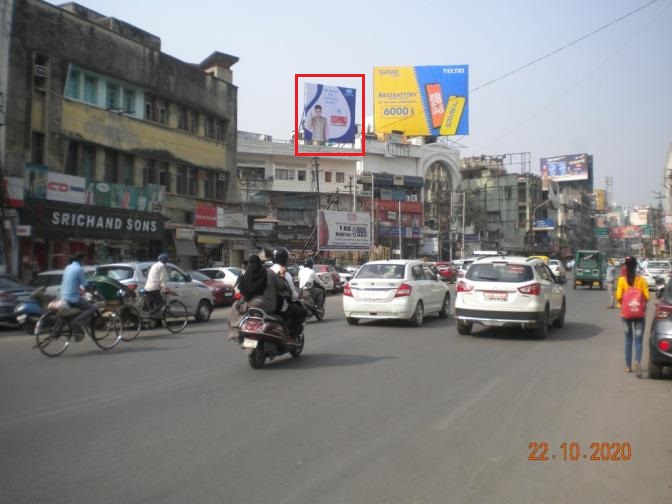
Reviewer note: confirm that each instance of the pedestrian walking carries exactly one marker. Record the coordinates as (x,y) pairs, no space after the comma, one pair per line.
(632,293)
(611,281)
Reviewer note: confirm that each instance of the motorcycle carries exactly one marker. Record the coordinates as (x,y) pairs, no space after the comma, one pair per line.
(660,286)
(266,336)
(309,302)
(29,312)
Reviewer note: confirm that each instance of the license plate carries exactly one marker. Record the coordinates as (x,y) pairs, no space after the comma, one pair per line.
(228,294)
(495,296)
(250,343)
(374,294)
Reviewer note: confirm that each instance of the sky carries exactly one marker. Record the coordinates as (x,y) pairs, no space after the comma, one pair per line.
(609,95)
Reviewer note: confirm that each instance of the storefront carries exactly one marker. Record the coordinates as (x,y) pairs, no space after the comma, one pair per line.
(57,230)
(221,235)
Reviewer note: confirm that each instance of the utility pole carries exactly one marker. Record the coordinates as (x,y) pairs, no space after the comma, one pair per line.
(350,187)
(316,179)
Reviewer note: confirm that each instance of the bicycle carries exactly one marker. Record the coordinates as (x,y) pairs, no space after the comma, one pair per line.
(173,315)
(54,330)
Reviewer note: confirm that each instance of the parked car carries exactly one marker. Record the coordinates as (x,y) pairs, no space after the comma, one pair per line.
(352,268)
(509,291)
(464,266)
(329,277)
(660,338)
(343,274)
(12,292)
(447,271)
(195,295)
(558,270)
(654,269)
(399,289)
(222,293)
(51,280)
(228,275)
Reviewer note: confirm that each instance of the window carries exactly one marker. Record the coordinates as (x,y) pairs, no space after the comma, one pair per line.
(416,272)
(73,88)
(192,181)
(90,89)
(327,176)
(428,273)
(222,185)
(88,162)
(148,111)
(127,169)
(340,177)
(493,217)
(193,121)
(521,192)
(284,174)
(209,128)
(210,181)
(522,217)
(164,175)
(163,114)
(301,175)
(112,96)
(111,166)
(72,158)
(129,101)
(182,118)
(181,180)
(37,148)
(149,172)
(220,130)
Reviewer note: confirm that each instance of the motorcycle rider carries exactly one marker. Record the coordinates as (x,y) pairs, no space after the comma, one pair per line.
(307,276)
(292,310)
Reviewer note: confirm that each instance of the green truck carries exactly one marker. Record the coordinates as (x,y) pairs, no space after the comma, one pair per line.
(590,268)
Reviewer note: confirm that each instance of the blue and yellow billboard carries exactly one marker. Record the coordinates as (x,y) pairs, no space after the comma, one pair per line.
(421,100)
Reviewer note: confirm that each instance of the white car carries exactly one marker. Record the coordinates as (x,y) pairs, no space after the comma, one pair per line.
(657,268)
(195,295)
(228,275)
(463,266)
(401,289)
(558,269)
(51,280)
(509,291)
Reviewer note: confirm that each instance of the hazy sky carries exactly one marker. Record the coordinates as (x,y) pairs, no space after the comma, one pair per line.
(610,95)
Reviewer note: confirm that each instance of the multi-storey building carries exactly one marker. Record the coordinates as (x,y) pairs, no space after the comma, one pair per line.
(124,150)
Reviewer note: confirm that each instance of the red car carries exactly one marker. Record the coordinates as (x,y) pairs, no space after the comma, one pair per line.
(326,269)
(447,271)
(222,294)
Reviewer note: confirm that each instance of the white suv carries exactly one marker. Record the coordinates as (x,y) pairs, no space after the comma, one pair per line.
(509,291)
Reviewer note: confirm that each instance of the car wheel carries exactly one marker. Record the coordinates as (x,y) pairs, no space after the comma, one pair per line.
(464,327)
(418,315)
(351,321)
(541,332)
(655,369)
(445,308)
(203,311)
(560,321)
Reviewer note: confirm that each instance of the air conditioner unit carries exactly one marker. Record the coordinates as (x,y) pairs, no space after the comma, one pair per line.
(413,197)
(40,71)
(223,176)
(399,180)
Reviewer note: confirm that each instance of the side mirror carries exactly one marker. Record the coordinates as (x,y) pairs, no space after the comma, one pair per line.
(187,278)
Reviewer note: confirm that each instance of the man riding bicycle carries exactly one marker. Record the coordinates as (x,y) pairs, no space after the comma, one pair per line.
(73,279)
(156,282)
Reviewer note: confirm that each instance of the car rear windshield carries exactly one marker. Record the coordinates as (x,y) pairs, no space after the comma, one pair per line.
(554,262)
(381,271)
(500,272)
(197,275)
(46,280)
(659,265)
(116,272)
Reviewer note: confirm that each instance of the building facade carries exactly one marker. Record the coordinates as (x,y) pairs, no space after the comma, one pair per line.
(122,150)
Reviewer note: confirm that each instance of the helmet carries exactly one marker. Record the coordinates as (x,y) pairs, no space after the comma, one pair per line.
(162,257)
(308,263)
(281,256)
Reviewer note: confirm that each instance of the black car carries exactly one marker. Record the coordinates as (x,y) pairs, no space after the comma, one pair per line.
(660,338)
(12,292)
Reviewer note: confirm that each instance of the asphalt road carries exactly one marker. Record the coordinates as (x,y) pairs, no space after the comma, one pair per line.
(377,413)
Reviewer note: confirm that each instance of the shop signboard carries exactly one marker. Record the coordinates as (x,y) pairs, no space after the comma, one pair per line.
(35,181)
(149,198)
(68,188)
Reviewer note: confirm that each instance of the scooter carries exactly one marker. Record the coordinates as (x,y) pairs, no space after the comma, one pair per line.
(29,312)
(309,302)
(266,336)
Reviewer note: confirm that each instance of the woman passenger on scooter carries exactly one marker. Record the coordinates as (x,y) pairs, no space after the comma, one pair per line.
(259,288)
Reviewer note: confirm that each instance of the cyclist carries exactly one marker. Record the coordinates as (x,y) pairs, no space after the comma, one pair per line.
(292,310)
(156,282)
(73,279)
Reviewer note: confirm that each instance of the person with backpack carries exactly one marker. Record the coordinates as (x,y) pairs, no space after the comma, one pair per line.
(632,293)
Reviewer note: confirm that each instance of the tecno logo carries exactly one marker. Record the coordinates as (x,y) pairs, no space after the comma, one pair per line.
(58,186)
(453,70)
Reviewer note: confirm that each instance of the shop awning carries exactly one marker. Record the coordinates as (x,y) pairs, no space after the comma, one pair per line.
(185,248)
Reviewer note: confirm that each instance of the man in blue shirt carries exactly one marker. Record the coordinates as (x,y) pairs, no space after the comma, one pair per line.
(73,278)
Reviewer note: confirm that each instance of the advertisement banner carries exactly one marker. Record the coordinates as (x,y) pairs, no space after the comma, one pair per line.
(544,225)
(150,198)
(421,100)
(629,232)
(68,188)
(329,113)
(343,230)
(600,200)
(564,168)
(601,221)
(14,191)
(35,181)
(600,231)
(639,217)
(614,219)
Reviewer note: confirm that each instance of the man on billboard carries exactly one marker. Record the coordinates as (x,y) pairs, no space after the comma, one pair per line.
(316,123)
